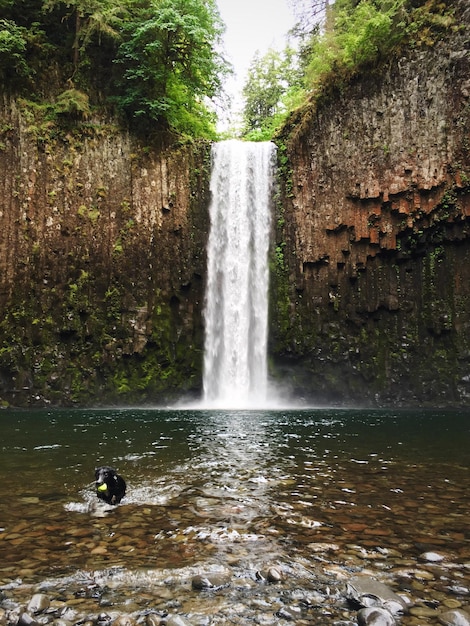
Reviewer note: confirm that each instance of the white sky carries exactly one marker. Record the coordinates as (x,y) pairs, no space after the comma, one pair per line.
(252,25)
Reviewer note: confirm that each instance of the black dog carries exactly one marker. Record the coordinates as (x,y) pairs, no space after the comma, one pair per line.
(110,487)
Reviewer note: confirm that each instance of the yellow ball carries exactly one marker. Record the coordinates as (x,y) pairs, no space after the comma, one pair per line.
(103,487)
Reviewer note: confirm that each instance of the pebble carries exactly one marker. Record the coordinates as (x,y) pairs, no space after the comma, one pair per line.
(124,620)
(153,620)
(27,620)
(104,619)
(422,574)
(422,611)
(288,613)
(431,557)
(201,582)
(174,620)
(450,603)
(368,592)
(454,618)
(271,575)
(38,603)
(375,617)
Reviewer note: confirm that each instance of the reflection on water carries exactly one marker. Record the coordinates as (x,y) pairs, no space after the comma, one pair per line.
(239,489)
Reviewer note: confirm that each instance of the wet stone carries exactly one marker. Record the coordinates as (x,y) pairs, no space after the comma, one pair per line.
(202,582)
(431,557)
(153,619)
(454,618)
(27,620)
(450,603)
(365,592)
(104,620)
(375,616)
(422,574)
(124,620)
(38,604)
(418,586)
(271,575)
(323,547)
(422,611)
(459,590)
(175,620)
(289,613)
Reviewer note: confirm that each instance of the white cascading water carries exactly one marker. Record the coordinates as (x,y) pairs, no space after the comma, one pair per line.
(236,308)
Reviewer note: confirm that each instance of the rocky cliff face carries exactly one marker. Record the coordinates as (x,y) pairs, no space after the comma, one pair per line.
(102,254)
(371,297)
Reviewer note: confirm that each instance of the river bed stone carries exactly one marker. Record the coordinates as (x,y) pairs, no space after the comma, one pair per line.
(455,618)
(375,616)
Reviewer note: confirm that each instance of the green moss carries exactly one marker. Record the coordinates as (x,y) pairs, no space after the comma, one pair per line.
(91,213)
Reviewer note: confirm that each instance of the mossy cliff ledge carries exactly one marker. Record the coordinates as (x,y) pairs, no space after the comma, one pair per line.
(102,258)
(371,289)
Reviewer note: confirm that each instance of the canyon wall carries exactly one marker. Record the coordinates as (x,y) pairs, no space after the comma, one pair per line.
(102,258)
(371,288)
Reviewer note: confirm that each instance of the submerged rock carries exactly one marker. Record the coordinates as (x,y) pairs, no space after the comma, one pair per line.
(38,604)
(375,616)
(153,619)
(454,618)
(271,574)
(289,613)
(368,592)
(27,620)
(431,557)
(175,620)
(212,581)
(124,620)
(104,619)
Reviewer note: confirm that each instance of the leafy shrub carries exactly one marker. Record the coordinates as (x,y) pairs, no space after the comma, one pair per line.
(73,103)
(359,37)
(169,65)
(12,49)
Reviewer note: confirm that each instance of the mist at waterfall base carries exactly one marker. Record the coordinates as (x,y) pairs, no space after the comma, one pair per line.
(236,307)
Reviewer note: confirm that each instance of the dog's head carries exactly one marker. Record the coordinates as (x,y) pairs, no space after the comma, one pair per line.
(106,479)
(110,487)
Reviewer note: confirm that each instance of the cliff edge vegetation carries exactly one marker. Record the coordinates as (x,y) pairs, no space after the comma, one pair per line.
(329,46)
(153,63)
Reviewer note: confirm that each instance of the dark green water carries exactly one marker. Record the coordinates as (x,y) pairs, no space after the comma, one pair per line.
(350,489)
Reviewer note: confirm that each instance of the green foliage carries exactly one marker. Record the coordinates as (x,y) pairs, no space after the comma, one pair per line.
(155,61)
(429,22)
(169,66)
(360,36)
(363,34)
(12,49)
(356,36)
(74,103)
(272,89)
(158,62)
(92,20)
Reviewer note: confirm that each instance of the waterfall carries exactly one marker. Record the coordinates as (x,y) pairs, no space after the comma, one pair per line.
(236,307)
